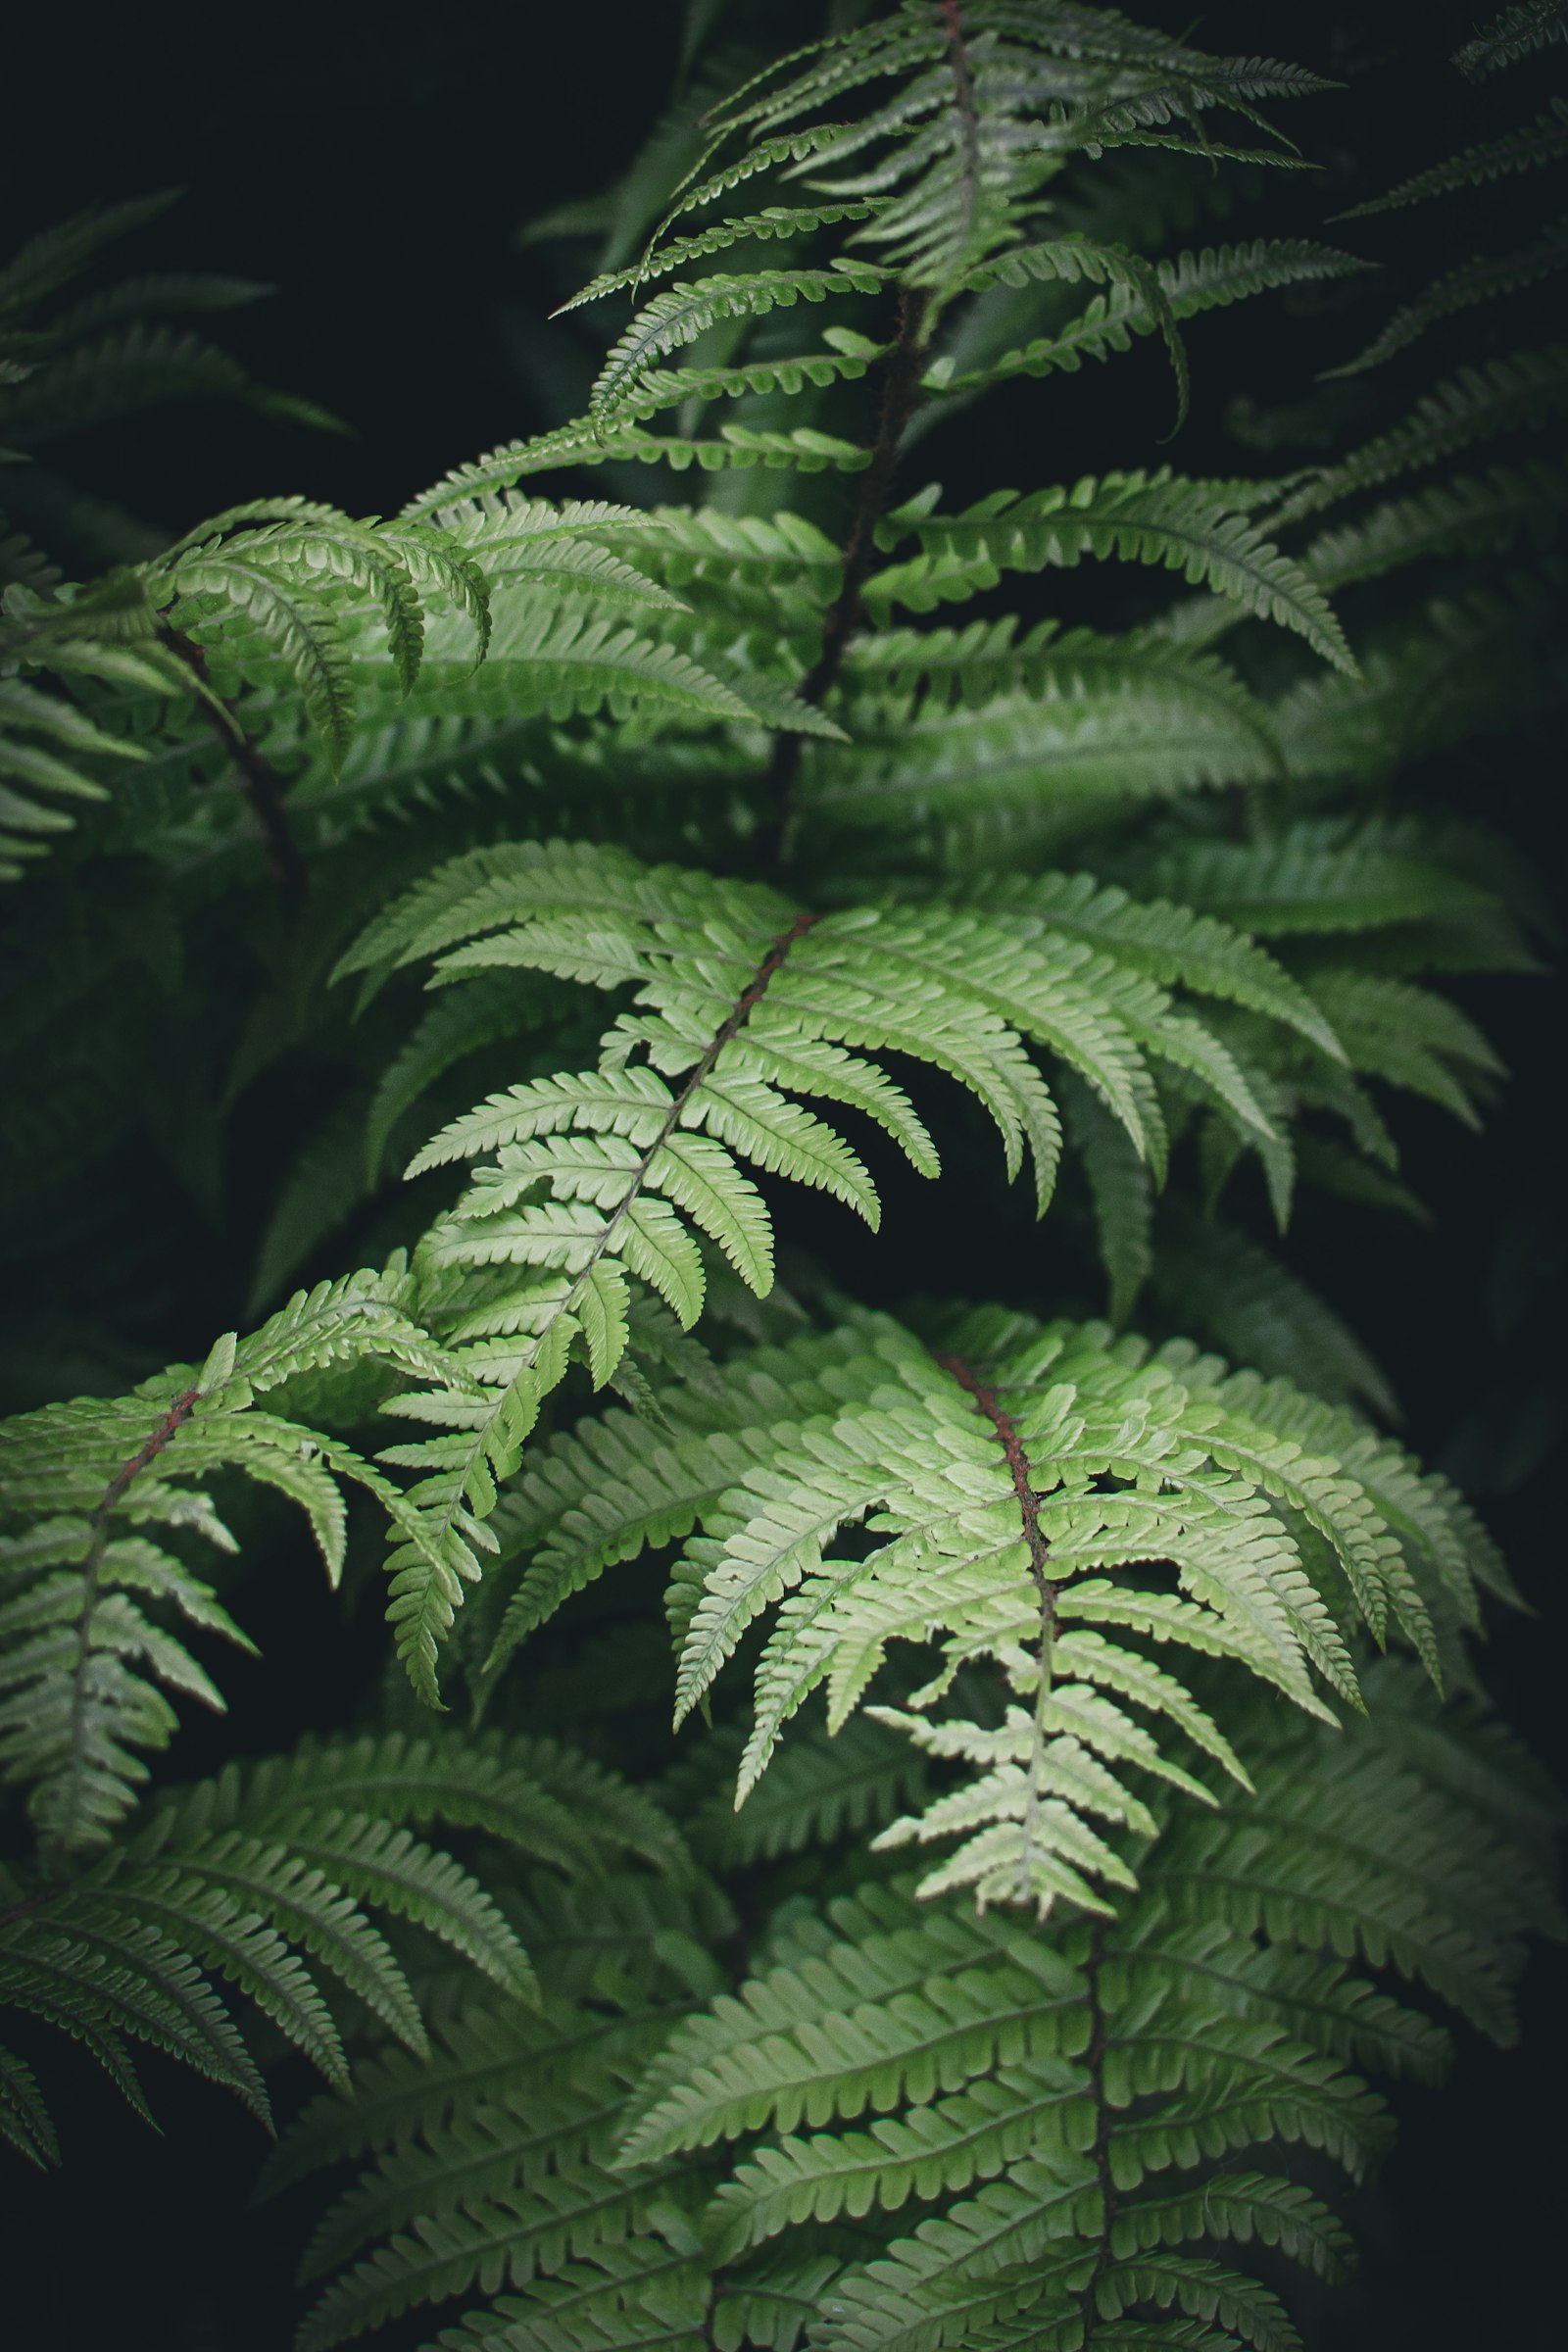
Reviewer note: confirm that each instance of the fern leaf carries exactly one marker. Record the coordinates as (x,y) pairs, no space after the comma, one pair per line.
(685,312)
(1515,33)
(774,223)
(1151,518)
(1468,514)
(1493,397)
(1142,299)
(1540,142)
(303,630)
(1484,280)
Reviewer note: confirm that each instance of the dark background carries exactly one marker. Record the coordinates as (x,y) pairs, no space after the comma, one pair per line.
(374,164)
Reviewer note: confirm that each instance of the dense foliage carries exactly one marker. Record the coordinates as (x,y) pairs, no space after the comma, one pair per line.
(1083,1805)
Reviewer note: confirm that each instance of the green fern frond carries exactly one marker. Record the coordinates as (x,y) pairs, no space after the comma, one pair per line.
(1495,397)
(1488,279)
(1065,2114)
(627,1153)
(1540,142)
(56,254)
(1468,514)
(962,1537)
(1160,1671)
(1142,299)
(678,316)
(1049,728)
(261,1876)
(50,748)
(1221,1282)
(94,1491)
(1518,31)
(1314,879)
(1149,518)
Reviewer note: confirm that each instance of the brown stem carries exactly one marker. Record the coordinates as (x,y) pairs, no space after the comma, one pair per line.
(901,397)
(964,99)
(260,781)
(745,1004)
(988,1404)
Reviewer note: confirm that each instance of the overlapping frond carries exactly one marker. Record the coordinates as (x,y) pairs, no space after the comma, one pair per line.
(742,1004)
(268,1880)
(1086,2127)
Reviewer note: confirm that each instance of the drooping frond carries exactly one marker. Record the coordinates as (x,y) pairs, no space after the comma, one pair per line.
(1190,527)
(268,1879)
(97,1497)
(1142,298)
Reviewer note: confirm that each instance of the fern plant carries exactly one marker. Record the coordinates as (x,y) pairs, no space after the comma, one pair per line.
(1157,1655)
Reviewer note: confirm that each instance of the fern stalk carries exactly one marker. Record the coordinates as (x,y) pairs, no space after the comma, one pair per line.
(990,1408)
(260,781)
(900,396)
(966,107)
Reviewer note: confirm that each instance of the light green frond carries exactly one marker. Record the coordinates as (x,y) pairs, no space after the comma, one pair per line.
(685,312)
(1149,518)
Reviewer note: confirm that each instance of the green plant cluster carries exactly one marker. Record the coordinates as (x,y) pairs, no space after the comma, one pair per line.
(1086,1803)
